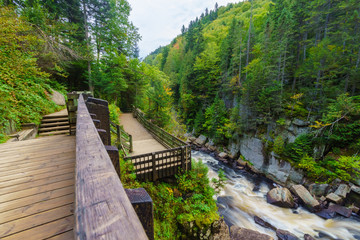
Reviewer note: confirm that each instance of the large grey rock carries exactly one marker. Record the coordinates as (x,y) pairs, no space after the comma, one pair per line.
(343,211)
(238,233)
(332,197)
(58,98)
(201,140)
(354,196)
(285,235)
(234,146)
(342,190)
(296,176)
(280,197)
(309,201)
(223,155)
(252,150)
(318,189)
(278,170)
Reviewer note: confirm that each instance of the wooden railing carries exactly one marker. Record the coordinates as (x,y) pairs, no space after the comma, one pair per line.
(163,137)
(167,163)
(102,209)
(123,139)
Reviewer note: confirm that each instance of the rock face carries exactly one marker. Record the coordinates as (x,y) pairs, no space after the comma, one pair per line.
(220,231)
(252,150)
(309,201)
(238,233)
(332,197)
(285,235)
(280,197)
(354,196)
(278,170)
(342,190)
(318,189)
(58,98)
(201,140)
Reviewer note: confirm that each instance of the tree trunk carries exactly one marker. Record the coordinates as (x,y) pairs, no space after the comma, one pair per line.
(240,62)
(327,19)
(91,88)
(249,38)
(305,39)
(283,72)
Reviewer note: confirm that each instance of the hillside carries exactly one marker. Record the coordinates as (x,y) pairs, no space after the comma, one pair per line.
(257,67)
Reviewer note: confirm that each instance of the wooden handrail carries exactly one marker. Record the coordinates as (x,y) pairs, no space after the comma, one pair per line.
(102,208)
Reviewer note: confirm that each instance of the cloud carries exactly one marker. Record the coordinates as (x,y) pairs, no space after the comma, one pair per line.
(159,21)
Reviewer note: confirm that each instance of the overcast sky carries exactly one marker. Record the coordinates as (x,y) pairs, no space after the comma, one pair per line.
(160,21)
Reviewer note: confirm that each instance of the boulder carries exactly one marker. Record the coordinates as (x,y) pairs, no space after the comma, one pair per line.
(354,196)
(238,233)
(296,176)
(308,237)
(220,231)
(354,209)
(326,213)
(58,98)
(263,223)
(201,140)
(318,189)
(342,190)
(305,196)
(285,235)
(252,150)
(223,155)
(343,211)
(280,197)
(332,197)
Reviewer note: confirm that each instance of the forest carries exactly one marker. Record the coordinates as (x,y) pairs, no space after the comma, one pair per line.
(250,66)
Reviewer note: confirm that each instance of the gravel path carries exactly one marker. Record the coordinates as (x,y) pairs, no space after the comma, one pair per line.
(143,142)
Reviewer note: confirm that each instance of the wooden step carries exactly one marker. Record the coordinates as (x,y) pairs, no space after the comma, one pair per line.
(50,120)
(56,128)
(54,133)
(54,116)
(53,124)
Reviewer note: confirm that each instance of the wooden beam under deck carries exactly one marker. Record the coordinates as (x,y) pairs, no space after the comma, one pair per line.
(37,188)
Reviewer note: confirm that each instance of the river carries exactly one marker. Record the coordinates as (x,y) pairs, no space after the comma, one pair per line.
(244,196)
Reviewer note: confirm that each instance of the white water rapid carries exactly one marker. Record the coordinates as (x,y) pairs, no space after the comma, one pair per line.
(244,196)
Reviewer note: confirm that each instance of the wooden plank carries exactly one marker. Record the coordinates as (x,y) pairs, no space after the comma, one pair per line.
(32,221)
(102,206)
(36,208)
(45,231)
(30,142)
(63,236)
(36,177)
(35,190)
(37,161)
(37,183)
(37,171)
(42,165)
(26,201)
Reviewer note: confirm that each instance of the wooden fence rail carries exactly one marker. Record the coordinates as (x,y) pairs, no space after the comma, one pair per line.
(161,164)
(102,208)
(123,139)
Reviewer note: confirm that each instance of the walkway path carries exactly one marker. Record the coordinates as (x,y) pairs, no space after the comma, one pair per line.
(143,142)
(37,188)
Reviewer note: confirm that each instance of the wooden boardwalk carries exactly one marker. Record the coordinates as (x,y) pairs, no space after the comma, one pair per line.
(143,142)
(37,188)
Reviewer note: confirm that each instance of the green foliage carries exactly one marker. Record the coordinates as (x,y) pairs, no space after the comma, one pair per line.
(278,147)
(175,205)
(217,125)
(219,183)
(297,150)
(114,113)
(24,88)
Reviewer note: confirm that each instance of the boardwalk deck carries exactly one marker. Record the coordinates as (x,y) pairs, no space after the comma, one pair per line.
(143,142)
(37,188)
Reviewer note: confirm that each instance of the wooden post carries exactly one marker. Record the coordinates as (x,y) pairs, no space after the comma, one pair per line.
(131,143)
(154,167)
(114,156)
(182,158)
(118,134)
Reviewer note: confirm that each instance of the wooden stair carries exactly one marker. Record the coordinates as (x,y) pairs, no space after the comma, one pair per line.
(54,125)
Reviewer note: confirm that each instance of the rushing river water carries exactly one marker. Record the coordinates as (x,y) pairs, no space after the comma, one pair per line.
(244,196)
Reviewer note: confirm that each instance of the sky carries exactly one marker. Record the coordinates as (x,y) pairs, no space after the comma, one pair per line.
(160,21)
